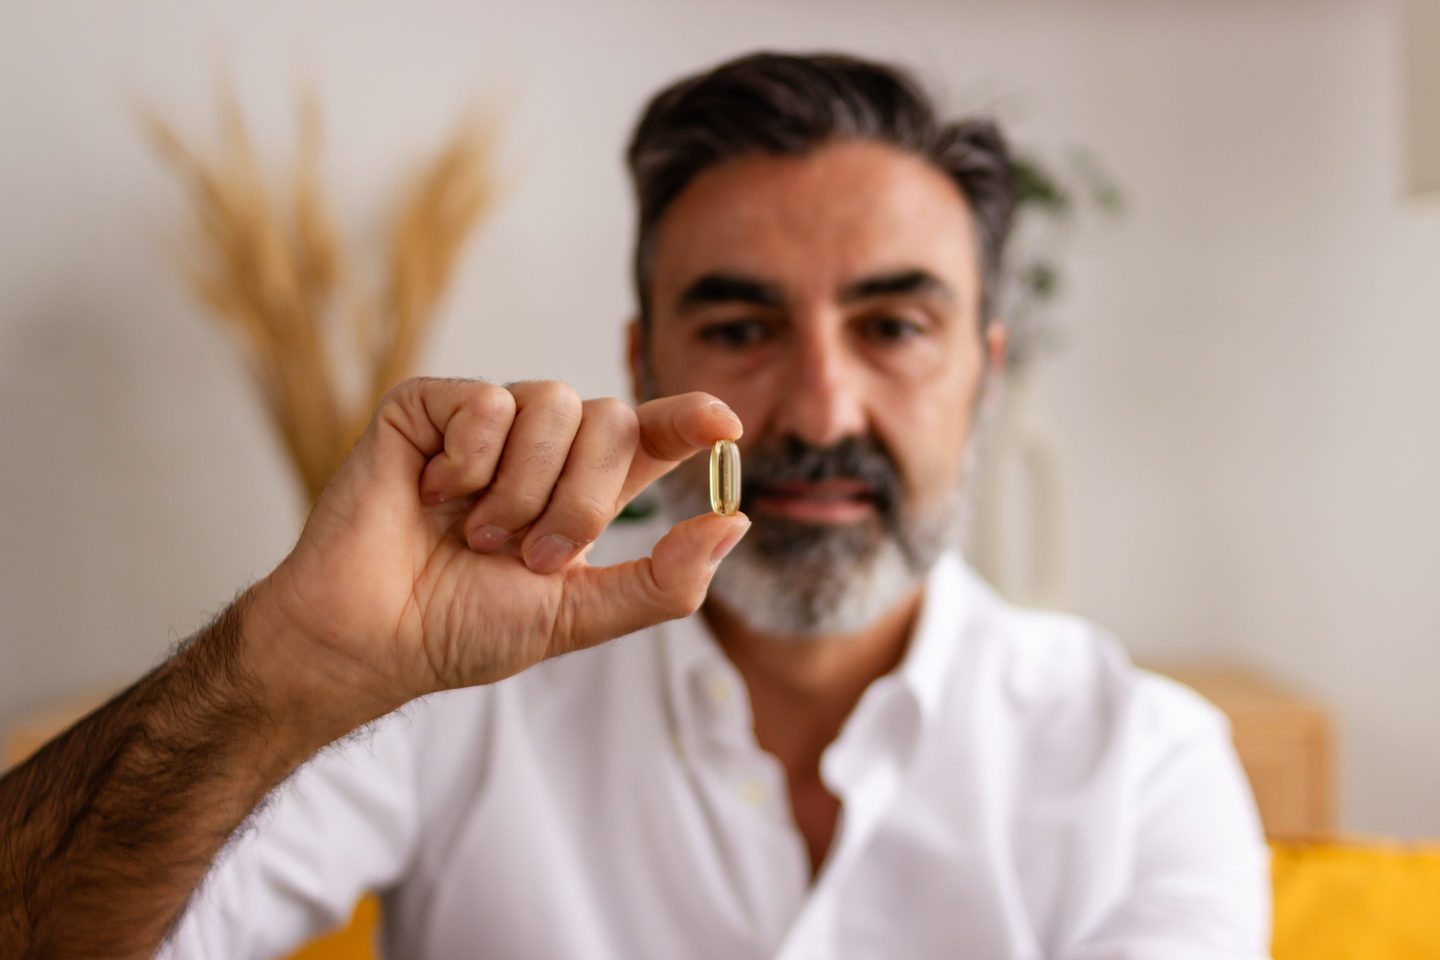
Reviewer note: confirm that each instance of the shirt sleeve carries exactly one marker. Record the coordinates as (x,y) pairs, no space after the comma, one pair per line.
(1201,886)
(342,825)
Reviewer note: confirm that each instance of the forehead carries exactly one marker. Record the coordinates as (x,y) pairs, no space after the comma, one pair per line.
(812,222)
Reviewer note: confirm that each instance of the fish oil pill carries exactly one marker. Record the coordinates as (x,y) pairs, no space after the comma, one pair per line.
(725,478)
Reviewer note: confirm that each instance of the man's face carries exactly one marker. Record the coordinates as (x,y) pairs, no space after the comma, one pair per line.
(832,300)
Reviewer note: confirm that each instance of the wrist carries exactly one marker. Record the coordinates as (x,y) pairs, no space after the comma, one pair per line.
(308,689)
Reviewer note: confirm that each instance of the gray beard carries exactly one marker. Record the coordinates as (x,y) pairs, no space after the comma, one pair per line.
(807,581)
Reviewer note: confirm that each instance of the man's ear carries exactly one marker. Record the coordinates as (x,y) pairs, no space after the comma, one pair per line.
(635,360)
(997,342)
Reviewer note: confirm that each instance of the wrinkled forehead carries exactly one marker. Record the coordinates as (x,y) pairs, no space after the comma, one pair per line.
(812,224)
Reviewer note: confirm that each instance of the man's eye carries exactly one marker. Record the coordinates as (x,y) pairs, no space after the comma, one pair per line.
(736,333)
(892,329)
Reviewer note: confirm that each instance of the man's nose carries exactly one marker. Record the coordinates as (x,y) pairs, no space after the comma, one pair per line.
(821,400)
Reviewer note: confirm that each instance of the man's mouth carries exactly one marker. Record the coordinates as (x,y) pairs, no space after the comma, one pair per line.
(828,501)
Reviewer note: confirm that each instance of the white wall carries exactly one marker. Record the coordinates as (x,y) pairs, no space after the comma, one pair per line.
(1246,409)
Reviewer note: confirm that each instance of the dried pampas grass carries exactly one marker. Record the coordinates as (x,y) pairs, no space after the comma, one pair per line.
(272,267)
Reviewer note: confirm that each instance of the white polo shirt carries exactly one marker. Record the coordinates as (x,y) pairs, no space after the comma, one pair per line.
(1015,789)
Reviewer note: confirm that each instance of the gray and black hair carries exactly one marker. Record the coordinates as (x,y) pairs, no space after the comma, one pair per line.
(790,104)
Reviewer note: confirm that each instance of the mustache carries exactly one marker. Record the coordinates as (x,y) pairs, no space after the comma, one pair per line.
(859,457)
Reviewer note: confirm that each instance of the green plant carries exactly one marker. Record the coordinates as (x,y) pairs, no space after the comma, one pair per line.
(1049,201)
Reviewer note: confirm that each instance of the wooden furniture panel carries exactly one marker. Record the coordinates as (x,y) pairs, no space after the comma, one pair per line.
(1285,742)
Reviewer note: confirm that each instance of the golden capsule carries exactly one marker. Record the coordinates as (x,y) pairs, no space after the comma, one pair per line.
(725,478)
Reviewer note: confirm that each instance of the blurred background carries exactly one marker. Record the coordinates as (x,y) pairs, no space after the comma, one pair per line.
(1240,405)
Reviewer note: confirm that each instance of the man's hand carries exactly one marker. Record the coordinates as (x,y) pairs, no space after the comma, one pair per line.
(449,550)
(106,831)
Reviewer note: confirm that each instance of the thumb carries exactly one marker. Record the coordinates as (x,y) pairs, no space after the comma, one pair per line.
(602,603)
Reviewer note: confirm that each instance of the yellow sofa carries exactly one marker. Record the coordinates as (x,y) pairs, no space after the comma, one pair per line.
(1353,900)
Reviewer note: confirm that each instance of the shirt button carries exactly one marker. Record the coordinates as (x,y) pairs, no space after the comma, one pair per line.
(719,690)
(753,793)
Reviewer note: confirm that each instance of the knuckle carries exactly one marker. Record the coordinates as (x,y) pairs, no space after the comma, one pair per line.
(676,600)
(615,416)
(547,455)
(396,406)
(558,394)
(620,426)
(528,389)
(473,466)
(396,394)
(609,409)
(489,404)
(685,600)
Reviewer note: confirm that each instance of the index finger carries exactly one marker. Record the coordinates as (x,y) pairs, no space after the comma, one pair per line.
(673,429)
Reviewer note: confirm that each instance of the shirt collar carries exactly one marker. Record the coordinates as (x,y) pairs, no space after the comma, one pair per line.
(704,688)
(949,602)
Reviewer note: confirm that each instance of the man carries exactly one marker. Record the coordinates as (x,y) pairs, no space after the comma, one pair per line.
(847,747)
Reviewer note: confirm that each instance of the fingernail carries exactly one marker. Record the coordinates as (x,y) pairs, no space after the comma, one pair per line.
(728,544)
(549,553)
(723,409)
(487,538)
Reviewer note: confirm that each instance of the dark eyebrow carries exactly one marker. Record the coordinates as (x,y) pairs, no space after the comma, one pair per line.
(716,288)
(921,283)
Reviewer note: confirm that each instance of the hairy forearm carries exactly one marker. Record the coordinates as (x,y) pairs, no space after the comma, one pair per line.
(106,831)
